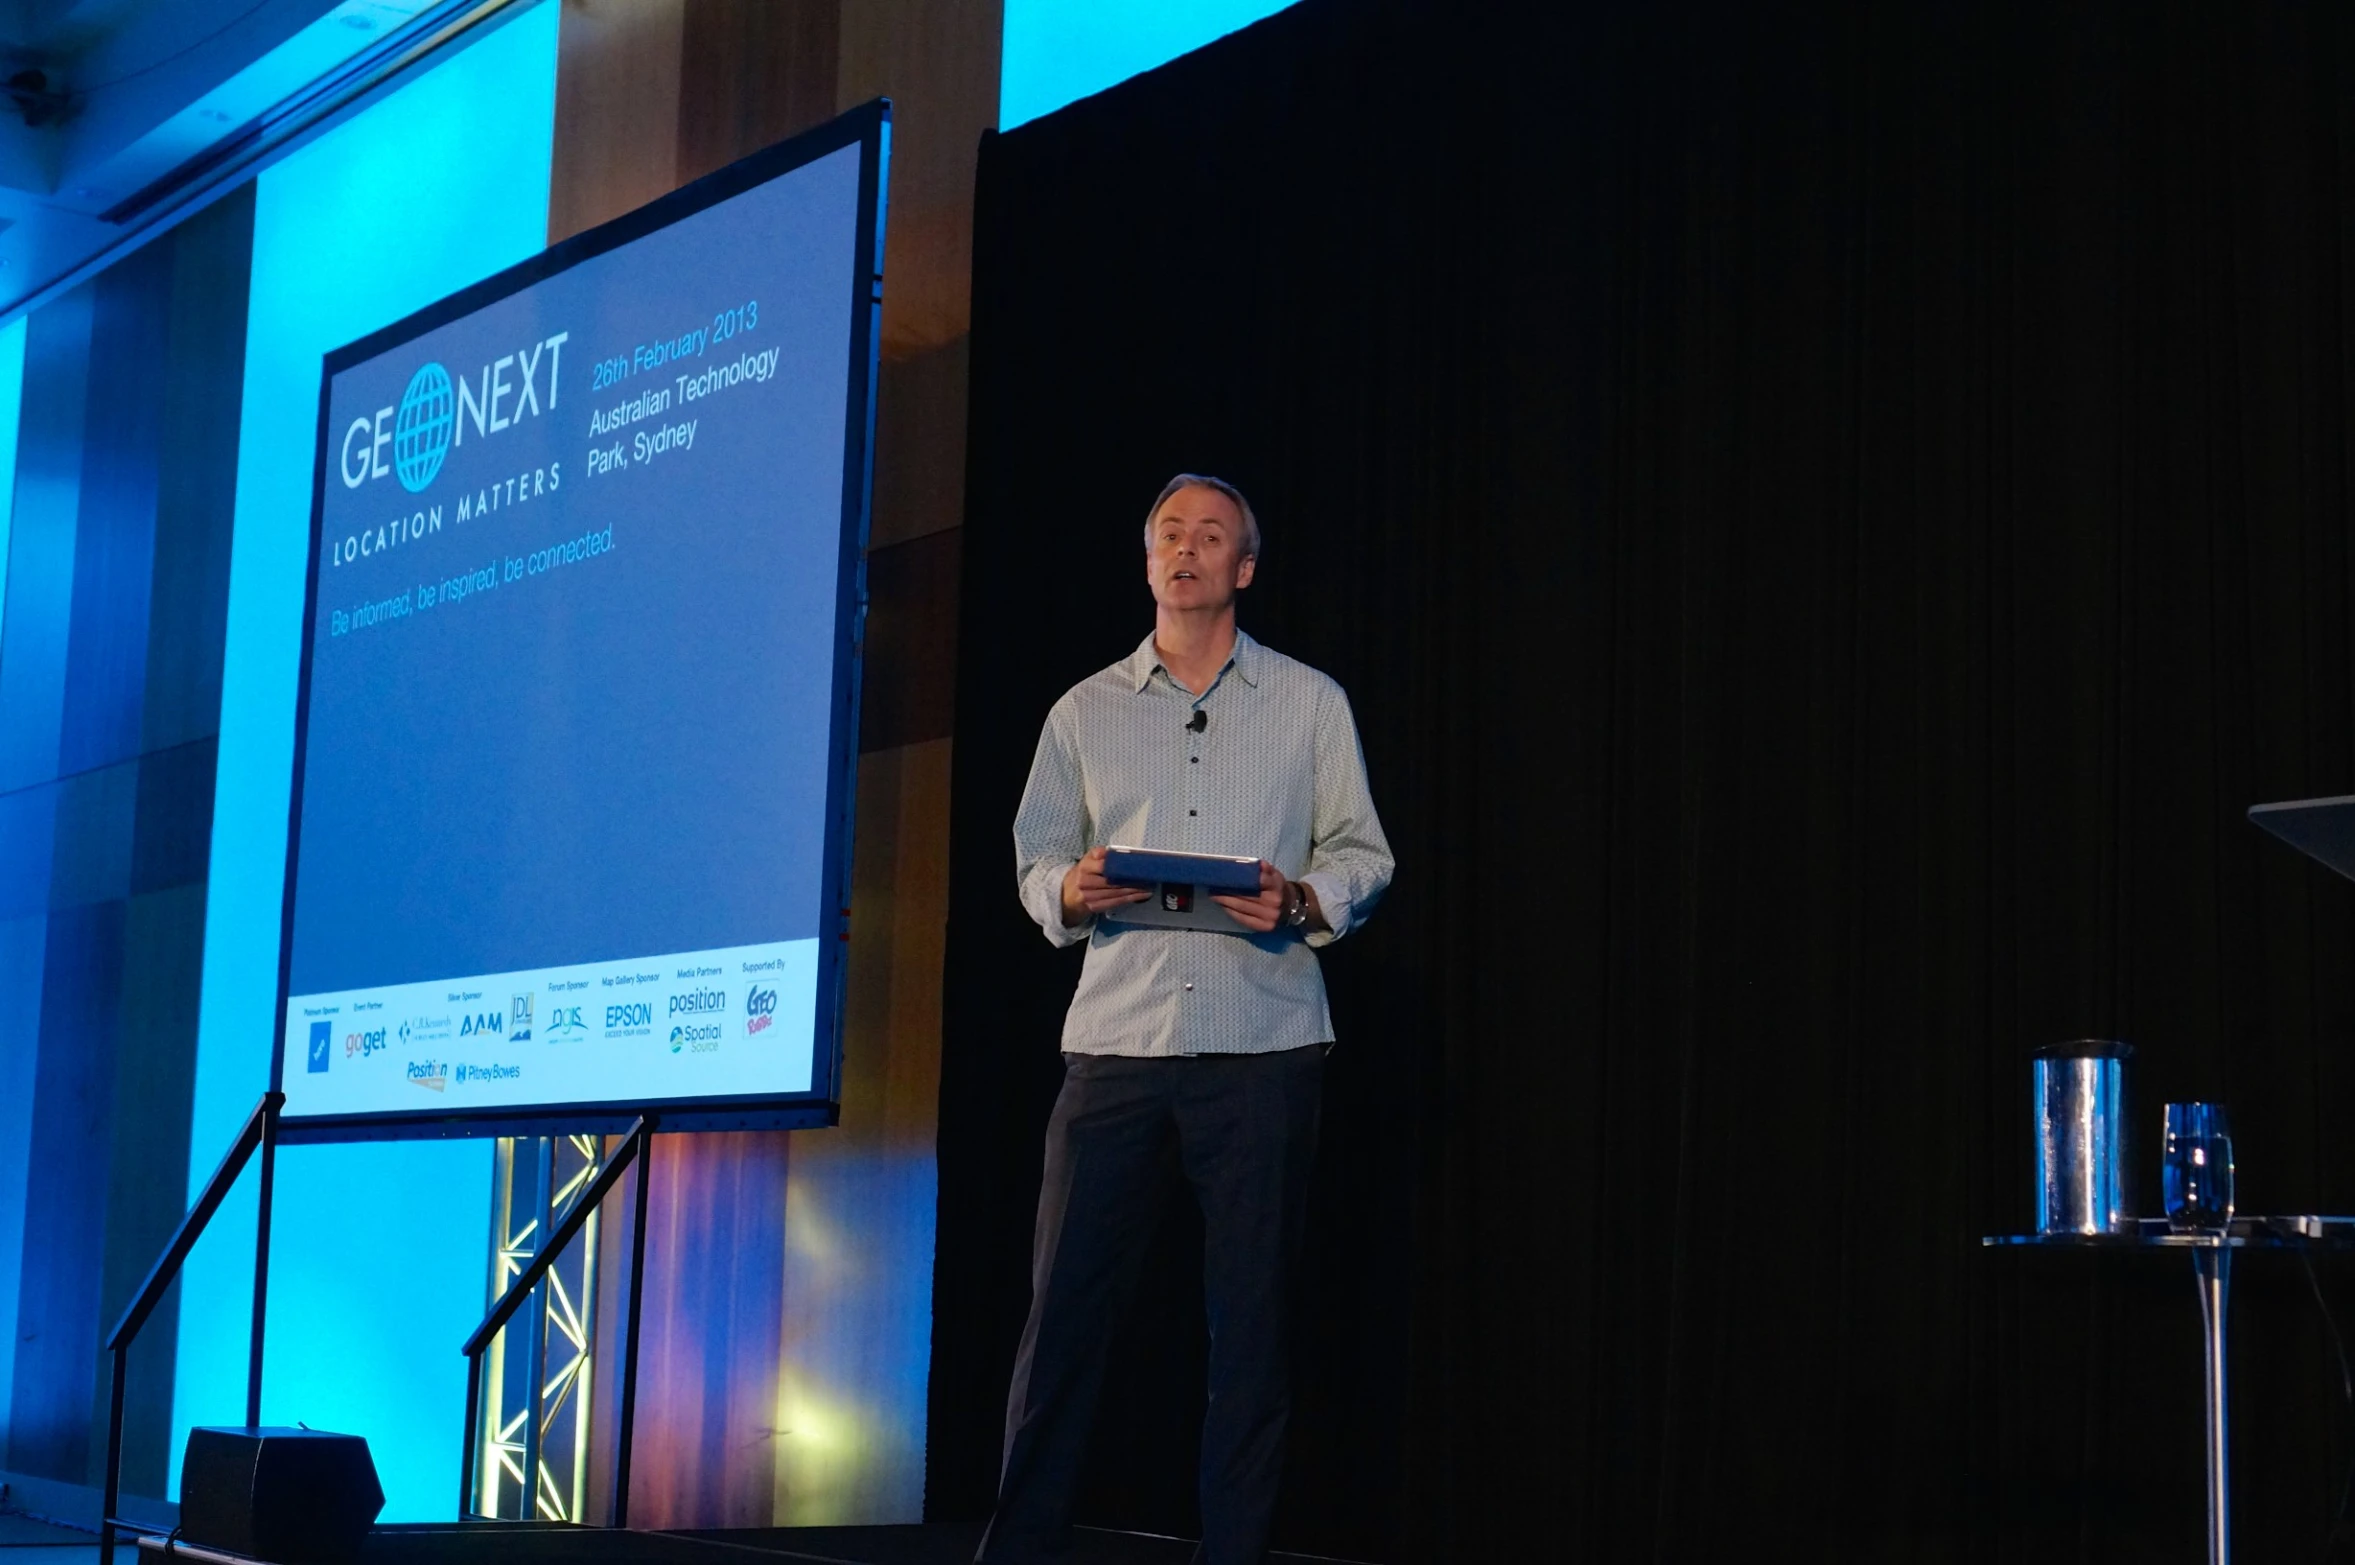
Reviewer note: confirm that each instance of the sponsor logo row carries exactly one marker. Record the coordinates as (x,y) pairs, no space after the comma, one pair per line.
(691,1016)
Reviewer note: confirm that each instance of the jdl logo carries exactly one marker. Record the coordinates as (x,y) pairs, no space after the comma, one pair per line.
(760,1009)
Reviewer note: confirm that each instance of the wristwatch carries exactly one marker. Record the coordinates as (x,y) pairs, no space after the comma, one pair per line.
(1295,906)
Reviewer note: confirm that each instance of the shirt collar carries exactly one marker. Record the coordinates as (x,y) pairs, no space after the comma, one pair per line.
(1245,660)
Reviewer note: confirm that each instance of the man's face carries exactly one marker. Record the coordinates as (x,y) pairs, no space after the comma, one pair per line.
(1195,561)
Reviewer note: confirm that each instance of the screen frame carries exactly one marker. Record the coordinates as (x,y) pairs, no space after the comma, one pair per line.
(869,128)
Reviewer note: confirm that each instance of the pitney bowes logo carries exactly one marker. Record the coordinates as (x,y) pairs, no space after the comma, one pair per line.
(434,412)
(760,1010)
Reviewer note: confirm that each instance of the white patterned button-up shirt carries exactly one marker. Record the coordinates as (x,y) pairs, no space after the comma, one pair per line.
(1274,773)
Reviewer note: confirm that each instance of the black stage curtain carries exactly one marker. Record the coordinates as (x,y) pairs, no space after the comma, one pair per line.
(1828,516)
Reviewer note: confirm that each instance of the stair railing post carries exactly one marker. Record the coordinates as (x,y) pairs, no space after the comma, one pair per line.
(629,1352)
(261,1260)
(113,1495)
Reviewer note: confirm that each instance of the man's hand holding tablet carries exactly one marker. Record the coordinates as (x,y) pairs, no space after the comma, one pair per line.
(1087,893)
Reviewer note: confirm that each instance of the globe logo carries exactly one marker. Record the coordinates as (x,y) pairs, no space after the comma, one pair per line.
(421,431)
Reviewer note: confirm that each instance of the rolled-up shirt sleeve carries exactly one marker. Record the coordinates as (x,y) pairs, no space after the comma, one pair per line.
(1349,860)
(1051,827)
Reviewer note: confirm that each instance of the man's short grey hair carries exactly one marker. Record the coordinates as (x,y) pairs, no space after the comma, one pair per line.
(1203,481)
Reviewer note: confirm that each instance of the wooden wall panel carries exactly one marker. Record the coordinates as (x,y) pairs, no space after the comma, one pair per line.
(708,1367)
(751,73)
(828,1426)
(617,110)
(858,1264)
(910,692)
(937,60)
(920,443)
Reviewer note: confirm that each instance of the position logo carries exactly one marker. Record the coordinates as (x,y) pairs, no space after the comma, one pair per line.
(322,1036)
(428,1074)
(421,430)
(696,1002)
(760,1009)
(519,1016)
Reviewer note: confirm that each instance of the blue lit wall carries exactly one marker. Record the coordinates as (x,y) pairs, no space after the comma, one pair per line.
(1060,50)
(109,705)
(23,937)
(380,1264)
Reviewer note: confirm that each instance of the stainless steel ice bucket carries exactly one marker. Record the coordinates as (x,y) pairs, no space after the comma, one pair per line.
(2081,1169)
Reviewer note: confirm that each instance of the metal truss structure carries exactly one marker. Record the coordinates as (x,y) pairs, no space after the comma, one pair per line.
(536,1397)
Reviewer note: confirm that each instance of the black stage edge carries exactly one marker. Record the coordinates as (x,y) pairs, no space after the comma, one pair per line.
(547,1543)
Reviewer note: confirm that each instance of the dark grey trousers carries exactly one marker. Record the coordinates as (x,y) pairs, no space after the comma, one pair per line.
(1243,1128)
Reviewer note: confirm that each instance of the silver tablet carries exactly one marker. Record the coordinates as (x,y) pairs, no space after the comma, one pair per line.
(1179,886)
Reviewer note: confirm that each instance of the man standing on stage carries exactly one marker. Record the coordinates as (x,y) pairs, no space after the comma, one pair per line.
(1186,1050)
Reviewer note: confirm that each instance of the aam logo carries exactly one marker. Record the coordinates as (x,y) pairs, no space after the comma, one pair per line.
(483,1022)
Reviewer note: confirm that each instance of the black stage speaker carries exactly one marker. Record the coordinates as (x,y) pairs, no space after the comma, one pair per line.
(291,1495)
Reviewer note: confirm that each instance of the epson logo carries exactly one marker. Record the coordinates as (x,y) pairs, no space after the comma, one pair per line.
(699,1000)
(640,1014)
(433,414)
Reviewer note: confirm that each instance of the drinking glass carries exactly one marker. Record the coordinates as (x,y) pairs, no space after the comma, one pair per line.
(2198,1168)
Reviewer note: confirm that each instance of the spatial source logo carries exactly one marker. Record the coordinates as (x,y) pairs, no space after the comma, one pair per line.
(480,1023)
(359,1045)
(429,1074)
(702,1039)
(519,1019)
(421,430)
(760,1009)
(699,1002)
(565,1024)
(322,1035)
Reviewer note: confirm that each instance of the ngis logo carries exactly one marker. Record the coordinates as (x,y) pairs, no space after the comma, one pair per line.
(760,1009)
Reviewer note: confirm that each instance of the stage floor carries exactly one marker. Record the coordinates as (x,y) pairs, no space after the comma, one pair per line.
(514,1543)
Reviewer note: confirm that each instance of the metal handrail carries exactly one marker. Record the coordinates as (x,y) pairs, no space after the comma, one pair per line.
(260,1131)
(637,1147)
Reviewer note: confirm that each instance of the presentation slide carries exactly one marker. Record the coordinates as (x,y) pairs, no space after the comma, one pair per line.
(569,728)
